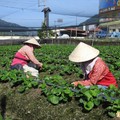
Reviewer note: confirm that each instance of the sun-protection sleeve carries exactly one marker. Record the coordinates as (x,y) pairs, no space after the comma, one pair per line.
(98,72)
(30,55)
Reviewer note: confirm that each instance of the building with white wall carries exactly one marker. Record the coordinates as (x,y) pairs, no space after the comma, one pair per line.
(109,15)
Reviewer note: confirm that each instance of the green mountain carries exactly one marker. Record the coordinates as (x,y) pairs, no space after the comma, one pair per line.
(92,20)
(8,24)
(7,27)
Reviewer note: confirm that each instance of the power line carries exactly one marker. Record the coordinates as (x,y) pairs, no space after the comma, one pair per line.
(58,13)
(9,1)
(9,14)
(69,14)
(20,8)
(41,1)
(17,10)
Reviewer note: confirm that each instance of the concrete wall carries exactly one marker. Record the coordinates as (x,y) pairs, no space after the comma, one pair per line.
(63,41)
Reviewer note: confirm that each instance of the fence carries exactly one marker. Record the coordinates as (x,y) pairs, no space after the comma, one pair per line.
(63,41)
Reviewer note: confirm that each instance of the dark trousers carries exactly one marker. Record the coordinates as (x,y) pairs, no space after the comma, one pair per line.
(20,67)
(17,67)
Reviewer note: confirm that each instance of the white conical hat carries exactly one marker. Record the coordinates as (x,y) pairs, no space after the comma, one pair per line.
(33,41)
(83,52)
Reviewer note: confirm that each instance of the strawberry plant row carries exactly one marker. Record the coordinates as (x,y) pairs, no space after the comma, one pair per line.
(58,73)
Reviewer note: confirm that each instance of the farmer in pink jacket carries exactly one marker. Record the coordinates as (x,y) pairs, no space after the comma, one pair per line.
(25,60)
(95,69)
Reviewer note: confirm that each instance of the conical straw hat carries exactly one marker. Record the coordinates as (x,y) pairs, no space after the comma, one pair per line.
(33,41)
(83,52)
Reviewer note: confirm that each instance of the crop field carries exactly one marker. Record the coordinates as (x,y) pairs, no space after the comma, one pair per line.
(61,100)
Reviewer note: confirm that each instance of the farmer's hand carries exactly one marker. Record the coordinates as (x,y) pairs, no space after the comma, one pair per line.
(76,83)
(40,66)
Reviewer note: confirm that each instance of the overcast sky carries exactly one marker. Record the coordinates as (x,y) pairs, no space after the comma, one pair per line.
(28,12)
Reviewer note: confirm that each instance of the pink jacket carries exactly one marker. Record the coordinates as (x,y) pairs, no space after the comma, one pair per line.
(100,75)
(24,55)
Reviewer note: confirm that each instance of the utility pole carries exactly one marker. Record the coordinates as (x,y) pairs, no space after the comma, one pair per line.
(42,3)
(76,26)
(55,29)
(46,18)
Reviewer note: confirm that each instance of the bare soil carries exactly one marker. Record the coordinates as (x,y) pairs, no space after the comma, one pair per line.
(32,105)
